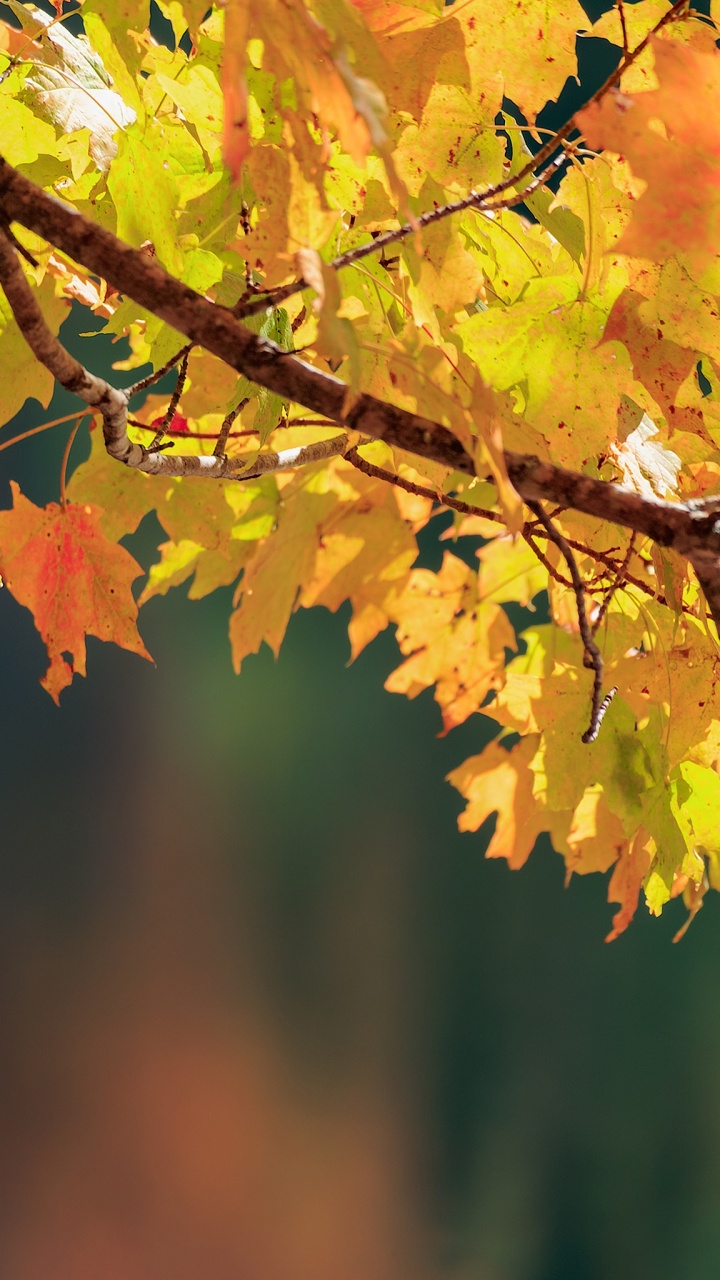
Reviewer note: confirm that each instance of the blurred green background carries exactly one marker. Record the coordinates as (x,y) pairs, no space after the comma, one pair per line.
(266,1014)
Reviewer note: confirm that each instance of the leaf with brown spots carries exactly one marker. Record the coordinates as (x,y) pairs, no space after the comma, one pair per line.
(660,365)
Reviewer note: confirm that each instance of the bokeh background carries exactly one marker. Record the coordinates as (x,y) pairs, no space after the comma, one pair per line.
(264,1013)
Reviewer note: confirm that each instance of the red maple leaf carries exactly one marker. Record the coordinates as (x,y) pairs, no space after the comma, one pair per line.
(178,423)
(74,581)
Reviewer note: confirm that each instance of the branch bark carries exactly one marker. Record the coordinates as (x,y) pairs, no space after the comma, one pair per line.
(692,529)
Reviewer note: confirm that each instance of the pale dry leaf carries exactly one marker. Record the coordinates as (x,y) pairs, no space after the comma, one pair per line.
(646,466)
(72,86)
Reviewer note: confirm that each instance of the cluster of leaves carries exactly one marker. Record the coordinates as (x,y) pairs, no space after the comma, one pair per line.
(275,138)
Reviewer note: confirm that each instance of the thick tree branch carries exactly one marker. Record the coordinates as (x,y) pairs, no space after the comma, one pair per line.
(692,529)
(68,371)
(112,403)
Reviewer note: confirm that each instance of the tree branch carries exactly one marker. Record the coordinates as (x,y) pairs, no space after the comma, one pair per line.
(619,5)
(48,349)
(692,529)
(111,403)
(614,585)
(530,532)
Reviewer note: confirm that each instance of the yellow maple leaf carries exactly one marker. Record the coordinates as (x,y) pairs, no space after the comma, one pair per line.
(500,781)
(453,640)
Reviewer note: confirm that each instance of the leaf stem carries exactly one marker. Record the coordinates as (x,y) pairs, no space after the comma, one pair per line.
(34,431)
(64,463)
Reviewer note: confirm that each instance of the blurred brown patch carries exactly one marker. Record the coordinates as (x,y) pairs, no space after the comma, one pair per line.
(152,1126)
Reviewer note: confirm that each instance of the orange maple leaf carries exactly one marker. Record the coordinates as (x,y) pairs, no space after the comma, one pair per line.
(671,137)
(626,882)
(500,781)
(74,581)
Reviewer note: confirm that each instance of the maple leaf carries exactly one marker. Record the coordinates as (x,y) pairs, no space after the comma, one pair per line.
(268,592)
(142,164)
(660,363)
(679,161)
(72,85)
(364,555)
(454,640)
(59,564)
(395,15)
(500,781)
(596,838)
(626,882)
(680,676)
(100,300)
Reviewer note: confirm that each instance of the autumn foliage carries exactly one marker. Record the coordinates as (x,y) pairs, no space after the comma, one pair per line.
(365,184)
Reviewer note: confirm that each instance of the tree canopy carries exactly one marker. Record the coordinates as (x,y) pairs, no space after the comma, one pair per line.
(388,293)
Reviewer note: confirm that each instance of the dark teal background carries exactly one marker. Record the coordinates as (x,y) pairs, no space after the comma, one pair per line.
(285,840)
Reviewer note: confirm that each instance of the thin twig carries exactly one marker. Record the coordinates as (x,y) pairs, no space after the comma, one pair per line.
(169,414)
(530,531)
(614,586)
(35,431)
(25,253)
(592,656)
(157,374)
(420,490)
(621,11)
(481,201)
(194,435)
(484,200)
(65,459)
(226,425)
(554,574)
